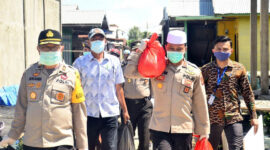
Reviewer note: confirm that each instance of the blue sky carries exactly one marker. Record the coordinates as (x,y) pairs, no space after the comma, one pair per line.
(127,13)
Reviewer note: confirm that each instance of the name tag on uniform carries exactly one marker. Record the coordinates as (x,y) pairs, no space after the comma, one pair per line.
(187,83)
(211,99)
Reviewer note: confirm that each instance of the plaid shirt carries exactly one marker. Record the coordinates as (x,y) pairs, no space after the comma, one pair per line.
(226,106)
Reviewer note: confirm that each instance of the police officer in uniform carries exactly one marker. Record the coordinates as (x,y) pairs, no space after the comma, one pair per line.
(180,100)
(137,96)
(50,105)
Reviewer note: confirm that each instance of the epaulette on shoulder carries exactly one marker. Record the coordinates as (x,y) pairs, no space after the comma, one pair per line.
(193,69)
(66,68)
(71,67)
(192,65)
(34,65)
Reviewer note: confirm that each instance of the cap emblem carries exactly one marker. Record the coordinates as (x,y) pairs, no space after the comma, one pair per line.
(49,34)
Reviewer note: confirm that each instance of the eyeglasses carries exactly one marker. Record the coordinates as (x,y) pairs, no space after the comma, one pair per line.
(46,48)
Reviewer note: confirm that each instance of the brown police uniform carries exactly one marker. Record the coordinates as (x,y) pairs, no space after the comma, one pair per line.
(50,107)
(137,96)
(136,88)
(180,99)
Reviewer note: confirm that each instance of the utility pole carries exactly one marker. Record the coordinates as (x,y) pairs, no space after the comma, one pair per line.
(253,43)
(264,47)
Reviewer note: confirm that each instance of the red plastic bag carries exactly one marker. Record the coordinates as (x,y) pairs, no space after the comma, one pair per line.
(203,144)
(152,62)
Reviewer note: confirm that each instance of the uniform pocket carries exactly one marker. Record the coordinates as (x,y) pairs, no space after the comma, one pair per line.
(142,83)
(185,87)
(60,94)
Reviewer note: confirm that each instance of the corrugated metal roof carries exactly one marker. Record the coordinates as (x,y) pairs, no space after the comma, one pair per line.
(234,6)
(82,16)
(190,8)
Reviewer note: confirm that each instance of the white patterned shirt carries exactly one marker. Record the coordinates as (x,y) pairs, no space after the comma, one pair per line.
(98,81)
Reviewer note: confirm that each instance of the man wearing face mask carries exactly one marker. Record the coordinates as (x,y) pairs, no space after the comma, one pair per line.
(50,109)
(86,48)
(223,79)
(180,106)
(102,80)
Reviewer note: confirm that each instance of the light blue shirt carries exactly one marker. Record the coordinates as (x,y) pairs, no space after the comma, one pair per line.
(98,81)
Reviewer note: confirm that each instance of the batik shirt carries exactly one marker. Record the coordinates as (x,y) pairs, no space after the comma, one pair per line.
(226,106)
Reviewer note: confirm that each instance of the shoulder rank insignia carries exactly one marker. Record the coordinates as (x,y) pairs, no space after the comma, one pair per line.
(190,71)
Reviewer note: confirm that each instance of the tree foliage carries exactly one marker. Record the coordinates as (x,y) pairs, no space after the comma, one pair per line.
(134,33)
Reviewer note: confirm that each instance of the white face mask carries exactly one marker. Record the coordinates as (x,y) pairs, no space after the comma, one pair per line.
(97,46)
(50,58)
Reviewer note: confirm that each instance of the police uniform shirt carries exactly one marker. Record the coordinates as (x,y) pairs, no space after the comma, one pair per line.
(136,88)
(180,99)
(50,107)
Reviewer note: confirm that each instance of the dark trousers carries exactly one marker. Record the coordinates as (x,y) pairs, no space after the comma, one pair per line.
(140,111)
(234,134)
(171,141)
(64,147)
(107,127)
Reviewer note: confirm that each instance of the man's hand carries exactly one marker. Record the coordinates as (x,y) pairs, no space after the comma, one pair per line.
(7,141)
(255,123)
(121,99)
(204,136)
(126,116)
(143,45)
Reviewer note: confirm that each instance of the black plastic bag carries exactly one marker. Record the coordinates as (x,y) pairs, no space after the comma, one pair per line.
(125,137)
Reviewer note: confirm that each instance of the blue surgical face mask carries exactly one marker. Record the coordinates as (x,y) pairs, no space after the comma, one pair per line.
(175,57)
(86,53)
(222,56)
(50,58)
(97,46)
